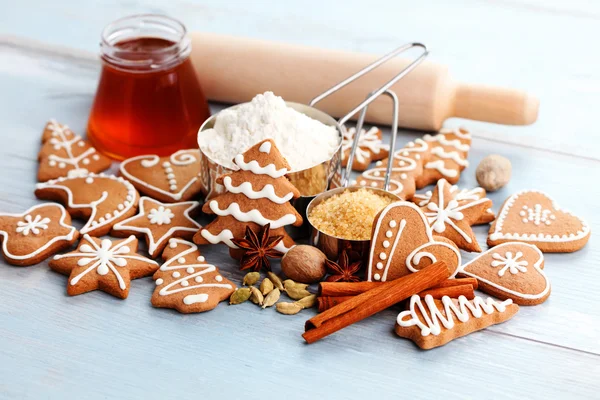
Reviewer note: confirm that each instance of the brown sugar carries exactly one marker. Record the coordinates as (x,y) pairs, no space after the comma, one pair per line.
(348,215)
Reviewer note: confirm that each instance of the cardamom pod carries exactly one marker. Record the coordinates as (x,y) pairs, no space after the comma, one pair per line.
(257,297)
(275,280)
(239,296)
(288,308)
(271,298)
(266,286)
(251,278)
(308,301)
(295,290)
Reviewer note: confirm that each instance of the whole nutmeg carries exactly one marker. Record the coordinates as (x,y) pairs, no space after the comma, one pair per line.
(305,264)
(493,172)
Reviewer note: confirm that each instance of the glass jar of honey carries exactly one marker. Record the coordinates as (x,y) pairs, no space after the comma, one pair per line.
(149,100)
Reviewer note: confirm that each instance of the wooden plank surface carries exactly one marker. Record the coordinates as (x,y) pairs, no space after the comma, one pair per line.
(55,346)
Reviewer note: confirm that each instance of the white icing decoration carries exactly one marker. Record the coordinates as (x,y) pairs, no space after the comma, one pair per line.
(440,166)
(104,258)
(6,238)
(537,215)
(368,142)
(254,167)
(180,158)
(183,282)
(536,267)
(452,155)
(33,225)
(416,254)
(267,192)
(160,216)
(509,262)
(153,242)
(92,223)
(224,236)
(265,147)
(498,233)
(433,316)
(251,216)
(441,138)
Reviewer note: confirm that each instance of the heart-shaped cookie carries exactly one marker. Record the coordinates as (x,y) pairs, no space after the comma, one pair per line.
(402,243)
(533,217)
(168,179)
(512,270)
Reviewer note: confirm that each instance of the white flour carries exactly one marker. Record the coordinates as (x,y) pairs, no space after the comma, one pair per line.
(303,141)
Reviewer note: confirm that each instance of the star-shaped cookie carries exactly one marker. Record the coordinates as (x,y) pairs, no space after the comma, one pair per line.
(103,264)
(452,219)
(159,222)
(30,237)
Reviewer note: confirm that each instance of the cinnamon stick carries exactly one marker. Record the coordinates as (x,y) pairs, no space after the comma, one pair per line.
(339,289)
(450,291)
(325,303)
(371,302)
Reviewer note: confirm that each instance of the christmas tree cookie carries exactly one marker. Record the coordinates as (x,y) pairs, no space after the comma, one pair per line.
(256,195)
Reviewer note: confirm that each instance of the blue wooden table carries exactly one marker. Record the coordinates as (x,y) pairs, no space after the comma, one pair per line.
(96,346)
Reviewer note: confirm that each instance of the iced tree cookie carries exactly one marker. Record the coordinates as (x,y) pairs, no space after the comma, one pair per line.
(64,153)
(370,148)
(102,199)
(103,264)
(158,222)
(256,195)
(451,219)
(186,282)
(30,237)
(402,243)
(511,270)
(532,217)
(168,179)
(432,323)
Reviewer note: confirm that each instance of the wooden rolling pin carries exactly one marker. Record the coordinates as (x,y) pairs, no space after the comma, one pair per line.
(234,70)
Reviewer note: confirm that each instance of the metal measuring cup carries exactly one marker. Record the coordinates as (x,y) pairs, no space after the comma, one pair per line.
(330,245)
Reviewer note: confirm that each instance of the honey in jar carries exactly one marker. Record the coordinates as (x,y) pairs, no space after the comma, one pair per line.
(149,100)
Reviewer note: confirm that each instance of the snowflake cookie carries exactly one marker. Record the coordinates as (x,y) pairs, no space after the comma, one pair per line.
(103,264)
(30,237)
(64,153)
(370,148)
(186,282)
(533,217)
(159,222)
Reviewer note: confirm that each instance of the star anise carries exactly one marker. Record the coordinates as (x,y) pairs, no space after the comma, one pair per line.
(343,270)
(258,248)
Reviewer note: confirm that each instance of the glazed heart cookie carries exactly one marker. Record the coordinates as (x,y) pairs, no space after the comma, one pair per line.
(168,179)
(402,243)
(102,199)
(30,237)
(186,282)
(511,270)
(531,216)
(64,153)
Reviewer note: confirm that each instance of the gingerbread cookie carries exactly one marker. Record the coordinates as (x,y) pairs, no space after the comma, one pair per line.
(532,217)
(102,199)
(511,270)
(168,179)
(452,220)
(30,237)
(432,323)
(463,196)
(103,264)
(408,164)
(448,156)
(402,243)
(256,195)
(186,282)
(159,222)
(64,153)
(370,148)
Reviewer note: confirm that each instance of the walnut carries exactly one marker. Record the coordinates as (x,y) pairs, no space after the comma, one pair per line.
(493,172)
